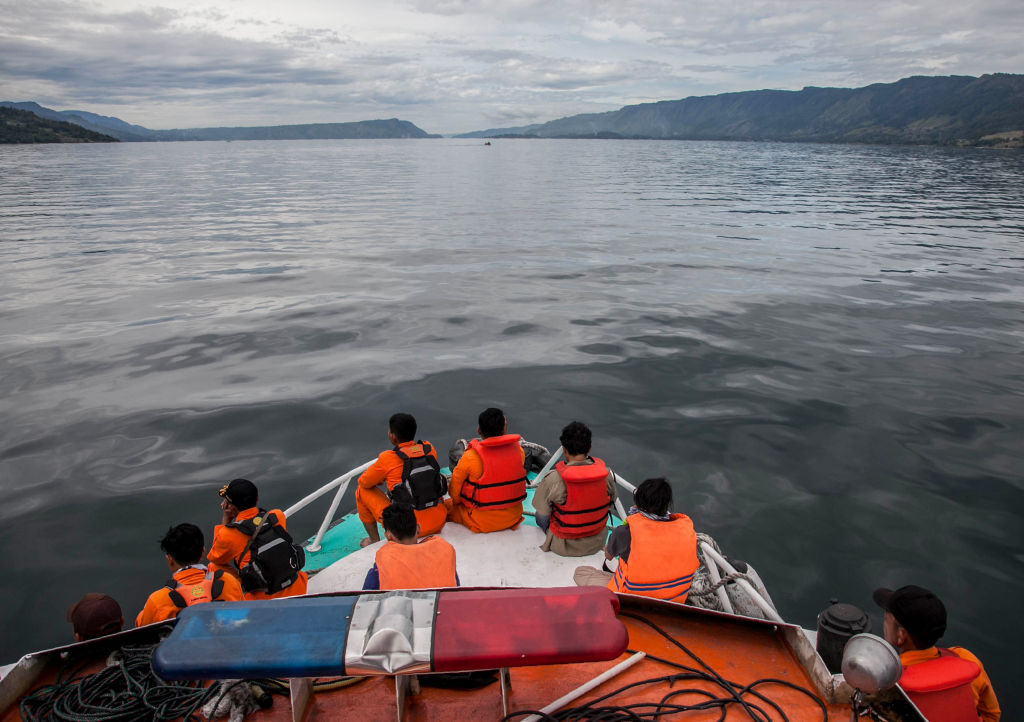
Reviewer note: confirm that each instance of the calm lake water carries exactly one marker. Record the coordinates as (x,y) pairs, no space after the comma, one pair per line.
(819,345)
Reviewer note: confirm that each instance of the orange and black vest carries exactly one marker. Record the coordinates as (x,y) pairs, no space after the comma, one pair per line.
(587,501)
(662,558)
(941,687)
(428,564)
(503,482)
(209,589)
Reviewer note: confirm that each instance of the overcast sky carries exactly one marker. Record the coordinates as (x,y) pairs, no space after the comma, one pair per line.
(460,65)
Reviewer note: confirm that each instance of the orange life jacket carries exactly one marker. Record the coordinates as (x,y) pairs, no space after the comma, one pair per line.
(428,564)
(209,589)
(585,510)
(941,687)
(503,482)
(662,558)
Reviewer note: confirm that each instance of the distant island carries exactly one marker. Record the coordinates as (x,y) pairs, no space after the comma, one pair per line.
(946,110)
(951,110)
(120,130)
(22,126)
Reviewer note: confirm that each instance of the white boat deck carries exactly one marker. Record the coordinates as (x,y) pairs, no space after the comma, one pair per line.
(509,558)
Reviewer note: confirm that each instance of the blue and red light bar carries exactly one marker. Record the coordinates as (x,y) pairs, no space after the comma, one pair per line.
(455,630)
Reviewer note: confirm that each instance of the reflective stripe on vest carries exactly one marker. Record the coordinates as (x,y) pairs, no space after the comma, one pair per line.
(941,687)
(503,481)
(662,558)
(428,564)
(412,451)
(586,501)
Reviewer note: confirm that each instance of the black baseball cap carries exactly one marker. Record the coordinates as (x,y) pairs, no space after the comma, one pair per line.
(240,492)
(917,610)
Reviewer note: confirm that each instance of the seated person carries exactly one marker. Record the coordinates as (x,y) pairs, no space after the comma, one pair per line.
(408,470)
(234,539)
(657,550)
(489,483)
(573,499)
(915,619)
(95,615)
(405,563)
(190,582)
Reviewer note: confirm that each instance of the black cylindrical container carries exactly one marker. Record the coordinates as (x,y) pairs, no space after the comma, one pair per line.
(835,626)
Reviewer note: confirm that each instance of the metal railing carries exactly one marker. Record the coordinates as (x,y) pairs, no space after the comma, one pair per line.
(717,560)
(341,484)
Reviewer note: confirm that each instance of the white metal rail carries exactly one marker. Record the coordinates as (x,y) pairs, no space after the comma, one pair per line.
(343,482)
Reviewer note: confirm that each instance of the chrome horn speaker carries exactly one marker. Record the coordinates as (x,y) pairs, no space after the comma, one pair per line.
(870,665)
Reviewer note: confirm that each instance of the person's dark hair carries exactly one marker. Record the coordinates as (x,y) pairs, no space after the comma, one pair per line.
(400,520)
(575,438)
(653,496)
(491,422)
(403,426)
(184,543)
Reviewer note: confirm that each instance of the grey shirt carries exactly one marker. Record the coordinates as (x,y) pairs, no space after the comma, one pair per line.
(552,491)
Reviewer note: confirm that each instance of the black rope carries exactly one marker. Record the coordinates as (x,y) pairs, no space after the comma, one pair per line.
(128,690)
(730,694)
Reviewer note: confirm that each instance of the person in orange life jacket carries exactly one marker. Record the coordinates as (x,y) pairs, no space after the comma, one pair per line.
(95,615)
(387,471)
(239,500)
(580,519)
(657,550)
(183,548)
(915,619)
(489,483)
(406,562)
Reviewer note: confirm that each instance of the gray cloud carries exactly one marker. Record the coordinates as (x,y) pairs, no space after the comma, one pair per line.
(452,65)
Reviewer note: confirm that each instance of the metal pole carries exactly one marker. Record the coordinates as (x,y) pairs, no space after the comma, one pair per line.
(586,687)
(548,466)
(767,608)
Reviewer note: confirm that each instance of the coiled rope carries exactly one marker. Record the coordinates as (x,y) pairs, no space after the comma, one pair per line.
(128,690)
(731,693)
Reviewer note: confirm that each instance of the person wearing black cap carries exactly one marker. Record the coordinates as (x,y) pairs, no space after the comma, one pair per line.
(915,619)
(95,615)
(230,547)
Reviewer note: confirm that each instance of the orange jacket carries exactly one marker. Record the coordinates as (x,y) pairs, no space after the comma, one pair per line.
(503,481)
(160,606)
(387,469)
(981,688)
(481,520)
(228,543)
(662,558)
(585,511)
(425,565)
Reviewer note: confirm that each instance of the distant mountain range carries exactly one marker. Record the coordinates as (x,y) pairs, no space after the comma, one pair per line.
(22,126)
(934,110)
(948,110)
(121,130)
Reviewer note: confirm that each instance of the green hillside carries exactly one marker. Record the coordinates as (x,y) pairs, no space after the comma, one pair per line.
(22,126)
(951,110)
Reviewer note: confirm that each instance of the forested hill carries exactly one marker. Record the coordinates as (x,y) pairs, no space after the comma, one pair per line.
(935,110)
(22,126)
(119,129)
(393,128)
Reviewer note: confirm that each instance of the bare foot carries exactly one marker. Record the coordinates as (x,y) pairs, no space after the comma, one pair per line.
(367,541)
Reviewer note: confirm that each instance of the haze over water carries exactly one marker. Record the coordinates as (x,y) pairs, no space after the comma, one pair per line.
(819,345)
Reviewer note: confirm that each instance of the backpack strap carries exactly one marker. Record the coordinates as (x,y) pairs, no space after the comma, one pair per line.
(238,562)
(174,595)
(218,585)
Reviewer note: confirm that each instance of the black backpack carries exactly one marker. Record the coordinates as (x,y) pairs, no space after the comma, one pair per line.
(275,561)
(422,485)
